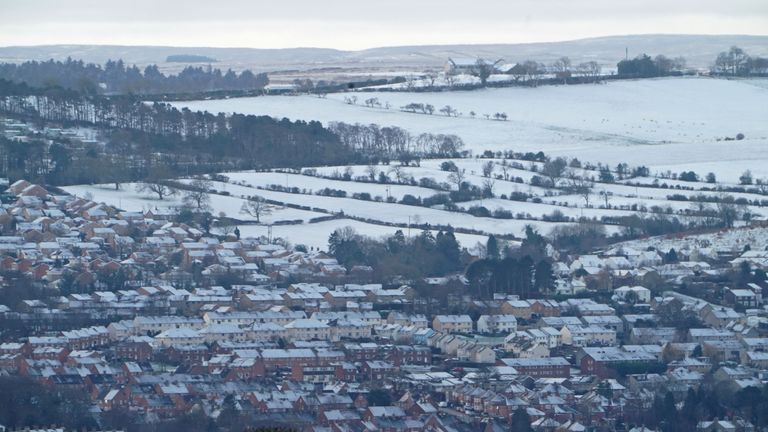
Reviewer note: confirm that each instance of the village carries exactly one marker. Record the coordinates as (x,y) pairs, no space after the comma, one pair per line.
(210,323)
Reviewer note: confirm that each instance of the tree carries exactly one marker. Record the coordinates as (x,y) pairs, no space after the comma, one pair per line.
(158,187)
(735,61)
(197,196)
(25,403)
(562,66)
(379,397)
(449,111)
(711,178)
(457,177)
(590,69)
(488,185)
(554,169)
(727,210)
(483,70)
(256,207)
(397,171)
(521,421)
(580,186)
(372,171)
(746,178)
(492,248)
(156,182)
(488,168)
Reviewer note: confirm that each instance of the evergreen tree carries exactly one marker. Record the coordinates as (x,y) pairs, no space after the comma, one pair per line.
(521,421)
(492,248)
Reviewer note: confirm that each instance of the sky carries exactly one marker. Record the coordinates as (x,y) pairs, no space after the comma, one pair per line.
(359,24)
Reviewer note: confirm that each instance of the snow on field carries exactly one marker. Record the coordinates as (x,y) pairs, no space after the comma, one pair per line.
(127,198)
(670,123)
(539,210)
(733,240)
(394,213)
(316,234)
(431,169)
(314,184)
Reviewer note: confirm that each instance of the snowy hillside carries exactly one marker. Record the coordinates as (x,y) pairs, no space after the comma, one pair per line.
(667,124)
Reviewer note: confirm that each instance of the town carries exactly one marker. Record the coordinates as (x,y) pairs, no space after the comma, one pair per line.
(351,216)
(142,314)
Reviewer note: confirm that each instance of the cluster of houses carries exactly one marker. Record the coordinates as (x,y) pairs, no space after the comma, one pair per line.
(158,317)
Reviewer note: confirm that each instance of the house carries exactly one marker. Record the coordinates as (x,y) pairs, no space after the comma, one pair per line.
(518,308)
(308,329)
(452,323)
(496,324)
(551,367)
(600,361)
(476,353)
(632,294)
(745,298)
(461,66)
(589,335)
(377,370)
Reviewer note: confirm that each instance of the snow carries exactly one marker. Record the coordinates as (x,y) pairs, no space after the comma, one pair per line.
(316,234)
(127,198)
(313,184)
(394,213)
(666,123)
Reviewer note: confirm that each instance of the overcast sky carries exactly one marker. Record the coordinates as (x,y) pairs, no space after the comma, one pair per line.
(357,24)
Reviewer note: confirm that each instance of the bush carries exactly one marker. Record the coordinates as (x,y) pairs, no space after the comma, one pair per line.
(479,211)
(688,176)
(409,199)
(448,166)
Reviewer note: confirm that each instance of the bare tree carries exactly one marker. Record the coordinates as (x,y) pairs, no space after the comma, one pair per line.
(505,170)
(449,111)
(762,185)
(410,82)
(563,67)
(484,70)
(256,207)
(590,69)
(533,71)
(397,171)
(606,196)
(197,196)
(488,168)
(580,186)
(372,172)
(161,189)
(488,185)
(430,78)
(457,177)
(554,169)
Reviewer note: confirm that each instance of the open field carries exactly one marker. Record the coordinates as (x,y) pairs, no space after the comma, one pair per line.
(376,209)
(666,124)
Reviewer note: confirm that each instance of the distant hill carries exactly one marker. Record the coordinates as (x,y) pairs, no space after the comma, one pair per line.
(189,58)
(699,50)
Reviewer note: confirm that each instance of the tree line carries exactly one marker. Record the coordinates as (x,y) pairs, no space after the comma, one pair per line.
(736,62)
(115,77)
(415,257)
(395,142)
(141,139)
(643,66)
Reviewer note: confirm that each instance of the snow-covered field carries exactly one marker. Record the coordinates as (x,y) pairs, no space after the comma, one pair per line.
(674,124)
(316,235)
(668,123)
(127,198)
